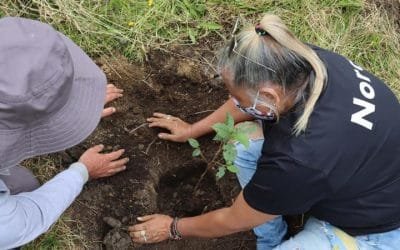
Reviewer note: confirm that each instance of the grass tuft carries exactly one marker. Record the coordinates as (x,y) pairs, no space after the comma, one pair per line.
(62,235)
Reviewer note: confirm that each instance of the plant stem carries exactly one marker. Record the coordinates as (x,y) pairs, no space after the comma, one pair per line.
(203,157)
(209,166)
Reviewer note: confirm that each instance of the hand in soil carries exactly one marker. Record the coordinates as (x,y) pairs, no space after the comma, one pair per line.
(180,131)
(155,228)
(103,165)
(112,93)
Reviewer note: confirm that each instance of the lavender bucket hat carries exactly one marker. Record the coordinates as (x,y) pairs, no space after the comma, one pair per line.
(51,93)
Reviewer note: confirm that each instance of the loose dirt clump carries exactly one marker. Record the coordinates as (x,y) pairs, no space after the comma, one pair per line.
(116,239)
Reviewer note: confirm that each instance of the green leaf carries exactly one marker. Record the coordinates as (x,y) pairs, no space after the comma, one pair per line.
(222,131)
(220,173)
(218,138)
(192,36)
(194,143)
(242,138)
(350,4)
(232,168)
(229,153)
(229,121)
(211,26)
(196,152)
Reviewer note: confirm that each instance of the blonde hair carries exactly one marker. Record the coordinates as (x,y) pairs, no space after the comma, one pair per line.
(276,56)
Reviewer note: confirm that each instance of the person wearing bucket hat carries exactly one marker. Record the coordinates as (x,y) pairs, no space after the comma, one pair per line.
(52,96)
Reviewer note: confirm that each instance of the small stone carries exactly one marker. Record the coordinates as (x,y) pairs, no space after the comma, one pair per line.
(125,219)
(112,222)
(187,187)
(200,193)
(141,146)
(117,239)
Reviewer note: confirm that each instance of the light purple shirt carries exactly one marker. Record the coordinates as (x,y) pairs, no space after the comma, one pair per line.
(25,216)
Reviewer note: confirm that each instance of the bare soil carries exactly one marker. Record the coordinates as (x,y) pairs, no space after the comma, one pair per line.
(161,175)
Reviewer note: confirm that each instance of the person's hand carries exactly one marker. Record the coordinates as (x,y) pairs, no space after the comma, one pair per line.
(180,131)
(112,93)
(154,228)
(103,165)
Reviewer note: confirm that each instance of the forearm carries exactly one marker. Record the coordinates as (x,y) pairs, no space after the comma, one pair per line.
(210,225)
(27,215)
(204,126)
(238,217)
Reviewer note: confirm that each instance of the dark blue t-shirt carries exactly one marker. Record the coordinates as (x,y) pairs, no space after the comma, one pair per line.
(345,168)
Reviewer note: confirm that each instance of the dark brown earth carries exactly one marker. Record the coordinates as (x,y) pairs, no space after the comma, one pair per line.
(160,176)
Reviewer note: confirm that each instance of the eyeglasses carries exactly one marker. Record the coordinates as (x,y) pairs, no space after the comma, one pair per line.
(233,45)
(253,111)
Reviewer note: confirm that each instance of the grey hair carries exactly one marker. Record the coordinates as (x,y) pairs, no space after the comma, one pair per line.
(277,57)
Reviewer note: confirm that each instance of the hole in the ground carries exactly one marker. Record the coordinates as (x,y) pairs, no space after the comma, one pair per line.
(176,195)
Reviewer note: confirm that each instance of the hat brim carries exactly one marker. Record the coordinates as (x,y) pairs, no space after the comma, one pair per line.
(71,124)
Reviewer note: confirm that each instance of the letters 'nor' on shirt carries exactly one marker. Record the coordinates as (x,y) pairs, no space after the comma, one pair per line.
(345,168)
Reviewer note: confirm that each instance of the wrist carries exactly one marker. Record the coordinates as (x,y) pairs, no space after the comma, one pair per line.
(174,233)
(194,130)
(81,169)
(191,135)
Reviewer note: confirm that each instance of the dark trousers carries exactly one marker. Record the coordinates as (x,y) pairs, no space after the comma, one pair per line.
(19,180)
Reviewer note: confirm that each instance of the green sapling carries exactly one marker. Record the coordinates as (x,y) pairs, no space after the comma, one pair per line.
(226,134)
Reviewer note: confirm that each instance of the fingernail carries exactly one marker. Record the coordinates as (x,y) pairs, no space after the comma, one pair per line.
(139,218)
(101,145)
(124,167)
(127,160)
(160,135)
(120,95)
(113,110)
(123,150)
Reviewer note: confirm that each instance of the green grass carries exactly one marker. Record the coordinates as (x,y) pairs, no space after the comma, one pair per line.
(62,235)
(354,28)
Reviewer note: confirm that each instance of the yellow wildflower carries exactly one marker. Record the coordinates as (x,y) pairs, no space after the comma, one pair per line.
(130,24)
(150,3)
